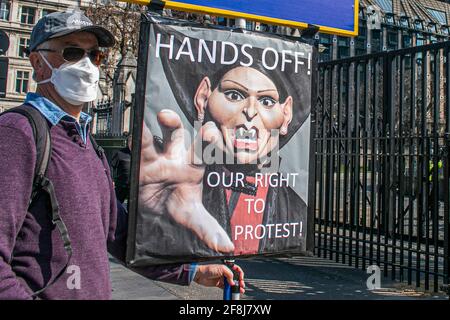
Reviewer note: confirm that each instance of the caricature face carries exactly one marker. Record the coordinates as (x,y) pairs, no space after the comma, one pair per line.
(246,107)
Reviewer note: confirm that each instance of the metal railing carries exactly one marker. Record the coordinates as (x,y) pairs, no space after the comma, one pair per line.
(382,163)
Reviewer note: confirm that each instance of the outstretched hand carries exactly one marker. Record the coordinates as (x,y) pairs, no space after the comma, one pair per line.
(171,184)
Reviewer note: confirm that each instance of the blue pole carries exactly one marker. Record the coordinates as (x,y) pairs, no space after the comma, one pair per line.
(231,292)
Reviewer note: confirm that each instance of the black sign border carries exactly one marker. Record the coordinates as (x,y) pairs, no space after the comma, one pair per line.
(137,124)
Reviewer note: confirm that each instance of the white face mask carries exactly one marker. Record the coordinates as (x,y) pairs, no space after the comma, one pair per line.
(75,82)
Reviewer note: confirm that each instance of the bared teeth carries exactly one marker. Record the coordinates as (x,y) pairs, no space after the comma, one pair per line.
(243,134)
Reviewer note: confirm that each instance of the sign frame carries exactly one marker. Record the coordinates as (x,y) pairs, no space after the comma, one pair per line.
(179,5)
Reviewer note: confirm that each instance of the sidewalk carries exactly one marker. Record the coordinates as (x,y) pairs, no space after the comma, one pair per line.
(128,285)
(298,278)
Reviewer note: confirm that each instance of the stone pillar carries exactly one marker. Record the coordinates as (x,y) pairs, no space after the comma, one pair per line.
(123,88)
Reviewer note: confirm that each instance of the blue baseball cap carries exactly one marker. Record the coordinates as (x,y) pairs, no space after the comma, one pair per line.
(59,24)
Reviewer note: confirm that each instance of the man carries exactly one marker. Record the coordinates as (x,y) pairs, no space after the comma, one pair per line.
(65,57)
(120,163)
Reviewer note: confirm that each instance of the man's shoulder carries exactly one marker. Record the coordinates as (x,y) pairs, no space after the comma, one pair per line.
(16,121)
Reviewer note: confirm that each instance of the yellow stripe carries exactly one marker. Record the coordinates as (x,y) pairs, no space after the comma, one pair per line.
(234,14)
(140,2)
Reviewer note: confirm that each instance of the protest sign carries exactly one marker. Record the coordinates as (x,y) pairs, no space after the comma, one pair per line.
(222,149)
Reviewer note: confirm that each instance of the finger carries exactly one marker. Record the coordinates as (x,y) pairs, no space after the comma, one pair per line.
(228,274)
(196,218)
(241,273)
(173,132)
(212,234)
(210,135)
(148,151)
(241,277)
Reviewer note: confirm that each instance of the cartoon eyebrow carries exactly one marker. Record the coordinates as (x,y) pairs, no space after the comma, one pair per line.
(246,89)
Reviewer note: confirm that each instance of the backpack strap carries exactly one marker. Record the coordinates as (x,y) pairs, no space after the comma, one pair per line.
(47,186)
(41,183)
(99,150)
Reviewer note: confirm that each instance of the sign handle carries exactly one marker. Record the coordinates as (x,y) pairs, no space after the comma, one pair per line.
(231,292)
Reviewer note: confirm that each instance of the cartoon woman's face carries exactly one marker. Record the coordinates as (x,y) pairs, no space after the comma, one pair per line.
(246,107)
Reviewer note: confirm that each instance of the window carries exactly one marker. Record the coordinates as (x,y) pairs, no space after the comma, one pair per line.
(432,27)
(420,41)
(360,46)
(404,22)
(361,42)
(23,44)
(385,5)
(418,24)
(392,40)
(440,16)
(376,41)
(46,12)
(28,14)
(3,76)
(221,21)
(389,18)
(5,7)
(326,41)
(343,47)
(22,79)
(407,40)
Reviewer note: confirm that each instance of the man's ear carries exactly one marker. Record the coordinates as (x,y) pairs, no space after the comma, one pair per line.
(202,95)
(287,115)
(38,65)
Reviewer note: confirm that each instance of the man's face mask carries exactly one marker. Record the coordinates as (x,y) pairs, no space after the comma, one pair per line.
(75,82)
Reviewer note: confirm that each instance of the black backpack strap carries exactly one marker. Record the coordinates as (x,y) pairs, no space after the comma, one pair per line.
(47,186)
(41,183)
(99,150)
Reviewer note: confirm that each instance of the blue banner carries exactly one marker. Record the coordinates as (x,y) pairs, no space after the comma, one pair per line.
(330,15)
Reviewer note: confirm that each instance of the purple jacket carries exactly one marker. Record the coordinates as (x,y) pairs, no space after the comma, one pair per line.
(31,249)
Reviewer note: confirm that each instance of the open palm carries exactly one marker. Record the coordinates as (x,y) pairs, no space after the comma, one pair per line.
(169,183)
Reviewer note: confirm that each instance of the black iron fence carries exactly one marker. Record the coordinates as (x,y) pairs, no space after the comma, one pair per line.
(102,112)
(382,163)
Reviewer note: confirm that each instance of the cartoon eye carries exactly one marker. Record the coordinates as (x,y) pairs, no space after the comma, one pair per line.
(267,101)
(234,95)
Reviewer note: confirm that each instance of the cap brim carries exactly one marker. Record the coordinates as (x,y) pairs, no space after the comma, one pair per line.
(104,37)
